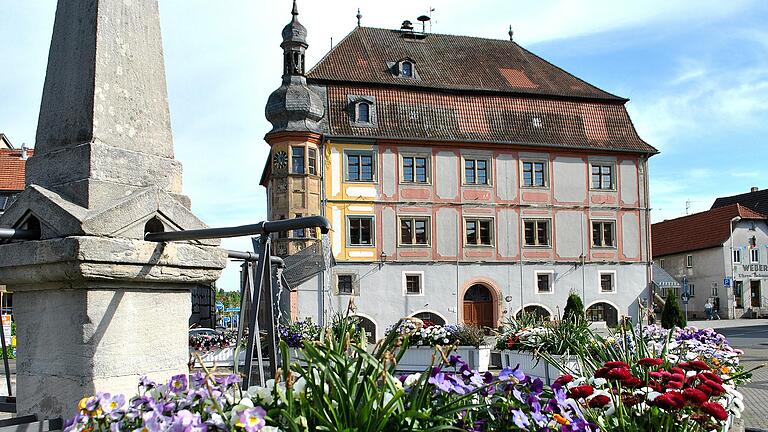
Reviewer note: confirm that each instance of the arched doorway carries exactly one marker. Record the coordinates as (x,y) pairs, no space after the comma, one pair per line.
(368,326)
(430,318)
(603,312)
(540,312)
(478,306)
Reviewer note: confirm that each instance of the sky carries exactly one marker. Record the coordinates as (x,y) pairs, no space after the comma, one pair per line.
(695,71)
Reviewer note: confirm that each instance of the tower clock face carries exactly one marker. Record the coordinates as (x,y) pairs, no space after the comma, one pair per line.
(280,160)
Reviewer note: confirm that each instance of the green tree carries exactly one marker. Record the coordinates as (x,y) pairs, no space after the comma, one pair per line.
(574,308)
(671,315)
(230,299)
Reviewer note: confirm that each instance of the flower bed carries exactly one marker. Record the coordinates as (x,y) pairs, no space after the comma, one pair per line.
(538,367)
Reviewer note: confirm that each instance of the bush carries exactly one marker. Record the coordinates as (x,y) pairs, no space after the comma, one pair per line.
(469,336)
(671,315)
(574,308)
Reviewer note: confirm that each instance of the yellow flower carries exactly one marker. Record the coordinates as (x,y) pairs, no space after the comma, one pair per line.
(560,419)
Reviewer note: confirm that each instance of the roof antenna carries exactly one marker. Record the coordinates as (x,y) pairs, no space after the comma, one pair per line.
(359,17)
(511,33)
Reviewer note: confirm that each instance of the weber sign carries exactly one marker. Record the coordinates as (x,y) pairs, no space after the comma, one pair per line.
(751,271)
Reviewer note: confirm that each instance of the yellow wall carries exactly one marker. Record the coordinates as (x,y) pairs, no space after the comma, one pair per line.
(344,198)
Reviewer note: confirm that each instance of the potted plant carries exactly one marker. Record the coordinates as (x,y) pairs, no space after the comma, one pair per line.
(461,340)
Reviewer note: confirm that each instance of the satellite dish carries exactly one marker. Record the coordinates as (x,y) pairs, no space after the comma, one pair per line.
(423,18)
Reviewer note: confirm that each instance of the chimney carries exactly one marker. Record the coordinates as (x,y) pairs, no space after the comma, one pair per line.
(24,154)
(754,189)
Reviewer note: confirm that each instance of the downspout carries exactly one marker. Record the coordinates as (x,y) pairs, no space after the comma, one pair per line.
(520,251)
(325,273)
(648,243)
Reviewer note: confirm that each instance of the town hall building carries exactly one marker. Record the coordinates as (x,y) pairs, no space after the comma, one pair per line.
(466,180)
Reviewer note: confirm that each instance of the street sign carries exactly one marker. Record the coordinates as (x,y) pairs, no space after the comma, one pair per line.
(727,282)
(7,329)
(685,297)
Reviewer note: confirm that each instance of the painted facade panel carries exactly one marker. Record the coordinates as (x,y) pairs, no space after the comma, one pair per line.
(447,175)
(447,232)
(508,237)
(630,235)
(506,177)
(388,231)
(389,174)
(628,182)
(569,179)
(571,242)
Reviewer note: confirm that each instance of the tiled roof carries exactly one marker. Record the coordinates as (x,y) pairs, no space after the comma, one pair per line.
(419,113)
(12,170)
(449,62)
(757,201)
(697,231)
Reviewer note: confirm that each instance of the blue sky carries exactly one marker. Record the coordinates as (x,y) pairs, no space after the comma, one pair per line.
(696,72)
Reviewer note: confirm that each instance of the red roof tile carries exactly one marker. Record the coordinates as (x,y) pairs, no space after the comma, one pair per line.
(697,231)
(12,170)
(423,114)
(449,62)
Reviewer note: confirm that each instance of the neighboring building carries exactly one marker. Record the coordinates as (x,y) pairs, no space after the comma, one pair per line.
(755,199)
(465,179)
(12,163)
(706,248)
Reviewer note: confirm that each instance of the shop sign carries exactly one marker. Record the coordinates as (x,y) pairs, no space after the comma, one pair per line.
(751,271)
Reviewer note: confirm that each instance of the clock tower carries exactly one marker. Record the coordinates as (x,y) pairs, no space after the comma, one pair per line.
(297,113)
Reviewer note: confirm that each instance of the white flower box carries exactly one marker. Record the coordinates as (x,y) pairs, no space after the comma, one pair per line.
(538,367)
(416,359)
(218,357)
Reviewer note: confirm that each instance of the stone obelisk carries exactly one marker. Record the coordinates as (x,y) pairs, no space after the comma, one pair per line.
(96,306)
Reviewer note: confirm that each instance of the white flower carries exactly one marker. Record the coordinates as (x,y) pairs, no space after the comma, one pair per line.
(652,395)
(299,386)
(412,379)
(598,382)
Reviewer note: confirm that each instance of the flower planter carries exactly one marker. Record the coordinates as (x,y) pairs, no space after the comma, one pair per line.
(218,357)
(416,359)
(538,367)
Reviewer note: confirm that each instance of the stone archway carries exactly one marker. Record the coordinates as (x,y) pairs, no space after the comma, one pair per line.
(368,326)
(538,311)
(430,318)
(479,306)
(602,311)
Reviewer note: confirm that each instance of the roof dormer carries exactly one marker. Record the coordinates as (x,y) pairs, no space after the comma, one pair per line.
(404,68)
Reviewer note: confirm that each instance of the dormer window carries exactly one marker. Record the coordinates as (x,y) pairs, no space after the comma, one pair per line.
(406,69)
(363,112)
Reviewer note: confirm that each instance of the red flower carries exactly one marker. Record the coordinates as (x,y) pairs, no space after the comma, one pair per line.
(675,384)
(658,375)
(600,373)
(647,361)
(695,365)
(618,374)
(599,401)
(677,370)
(695,396)
(581,391)
(717,389)
(630,400)
(704,388)
(715,410)
(616,364)
(632,382)
(711,376)
(563,379)
(670,400)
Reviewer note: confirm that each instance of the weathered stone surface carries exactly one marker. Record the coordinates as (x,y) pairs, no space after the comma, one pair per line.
(125,217)
(95,340)
(104,127)
(77,262)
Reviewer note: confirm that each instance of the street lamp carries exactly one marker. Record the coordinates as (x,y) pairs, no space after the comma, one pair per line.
(733,276)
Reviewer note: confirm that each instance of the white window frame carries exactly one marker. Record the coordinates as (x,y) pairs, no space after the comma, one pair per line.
(550,234)
(613,233)
(754,256)
(357,112)
(413,69)
(373,231)
(426,156)
(355,286)
(545,162)
(689,261)
(551,274)
(488,170)
(736,256)
(413,235)
(661,262)
(358,153)
(692,290)
(613,175)
(420,274)
(614,281)
(303,162)
(479,219)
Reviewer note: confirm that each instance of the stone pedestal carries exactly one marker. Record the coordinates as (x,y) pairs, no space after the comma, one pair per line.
(96,314)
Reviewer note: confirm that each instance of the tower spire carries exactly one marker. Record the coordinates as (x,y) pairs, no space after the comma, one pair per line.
(295,10)
(511,33)
(359,17)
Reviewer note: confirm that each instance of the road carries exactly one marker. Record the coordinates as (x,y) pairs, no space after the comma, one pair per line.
(753,341)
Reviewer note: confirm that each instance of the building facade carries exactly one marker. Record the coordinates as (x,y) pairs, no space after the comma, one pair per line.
(466,179)
(722,254)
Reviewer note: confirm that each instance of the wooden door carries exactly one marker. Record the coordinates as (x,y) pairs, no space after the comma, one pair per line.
(478,307)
